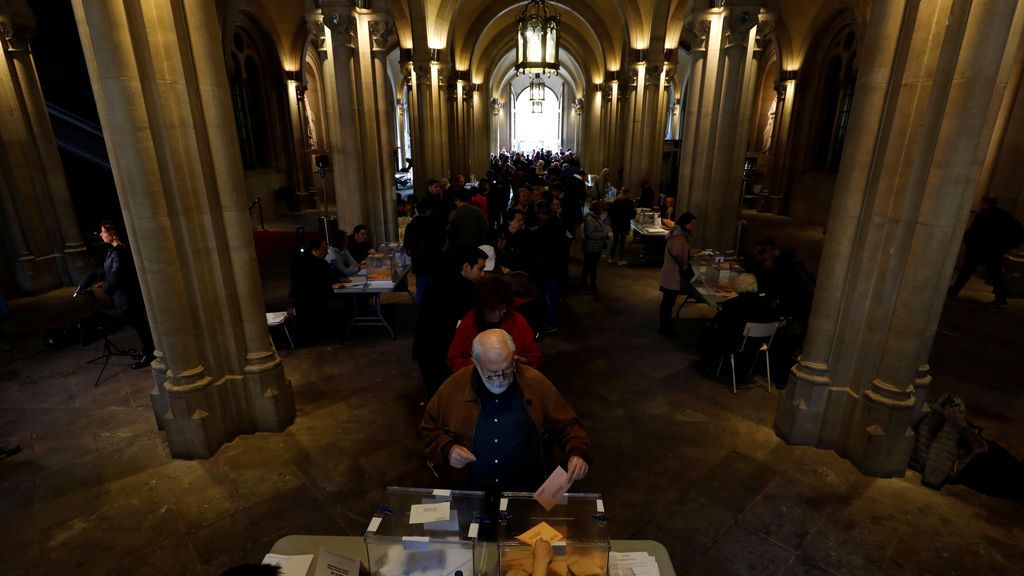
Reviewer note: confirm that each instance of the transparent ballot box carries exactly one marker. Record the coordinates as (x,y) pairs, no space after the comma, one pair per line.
(411,535)
(580,518)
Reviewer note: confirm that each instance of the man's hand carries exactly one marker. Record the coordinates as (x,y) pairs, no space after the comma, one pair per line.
(578,468)
(460,456)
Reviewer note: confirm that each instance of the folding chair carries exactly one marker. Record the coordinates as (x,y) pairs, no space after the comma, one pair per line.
(276,319)
(753,330)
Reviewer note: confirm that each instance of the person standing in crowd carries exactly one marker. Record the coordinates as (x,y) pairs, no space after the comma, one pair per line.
(646,195)
(424,243)
(554,241)
(495,425)
(445,302)
(466,225)
(595,237)
(516,250)
(675,271)
(621,212)
(493,307)
(992,234)
(121,283)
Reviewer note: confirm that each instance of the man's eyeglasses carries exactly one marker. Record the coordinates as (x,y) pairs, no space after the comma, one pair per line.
(493,377)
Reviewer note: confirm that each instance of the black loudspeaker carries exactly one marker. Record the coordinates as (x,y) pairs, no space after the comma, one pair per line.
(323,161)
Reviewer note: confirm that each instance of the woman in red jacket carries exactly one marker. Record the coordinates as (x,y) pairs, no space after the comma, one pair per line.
(493,308)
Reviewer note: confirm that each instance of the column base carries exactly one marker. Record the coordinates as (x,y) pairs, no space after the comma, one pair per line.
(880,437)
(202,415)
(801,410)
(37,275)
(873,431)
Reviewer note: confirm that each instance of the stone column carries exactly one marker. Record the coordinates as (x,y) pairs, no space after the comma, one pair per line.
(33,222)
(66,238)
(902,194)
(345,141)
(430,130)
(166,120)
(718,116)
(380,31)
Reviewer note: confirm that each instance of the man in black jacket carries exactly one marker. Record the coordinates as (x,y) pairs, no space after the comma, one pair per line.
(992,234)
(445,302)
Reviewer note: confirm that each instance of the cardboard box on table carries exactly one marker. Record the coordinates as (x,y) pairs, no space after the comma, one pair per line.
(394,546)
(578,517)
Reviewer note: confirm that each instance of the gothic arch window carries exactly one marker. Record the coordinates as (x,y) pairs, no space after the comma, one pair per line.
(838,79)
(249,80)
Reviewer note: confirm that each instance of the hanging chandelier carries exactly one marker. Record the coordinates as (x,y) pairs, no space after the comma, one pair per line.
(537,39)
(537,95)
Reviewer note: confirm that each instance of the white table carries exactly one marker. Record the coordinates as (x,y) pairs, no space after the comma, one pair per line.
(372,289)
(354,547)
(652,239)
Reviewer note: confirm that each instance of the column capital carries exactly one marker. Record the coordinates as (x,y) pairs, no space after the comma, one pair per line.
(315,26)
(696,32)
(342,25)
(14,36)
(381,31)
(737,26)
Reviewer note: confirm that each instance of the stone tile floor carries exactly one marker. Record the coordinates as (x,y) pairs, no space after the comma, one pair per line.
(680,459)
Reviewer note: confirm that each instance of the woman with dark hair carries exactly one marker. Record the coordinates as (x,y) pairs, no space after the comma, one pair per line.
(493,307)
(360,245)
(339,257)
(121,283)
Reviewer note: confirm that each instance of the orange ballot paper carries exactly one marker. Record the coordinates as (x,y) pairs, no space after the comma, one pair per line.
(552,490)
(542,530)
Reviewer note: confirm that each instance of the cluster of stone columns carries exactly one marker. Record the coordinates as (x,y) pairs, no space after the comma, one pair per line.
(44,245)
(161,91)
(927,102)
(360,105)
(724,41)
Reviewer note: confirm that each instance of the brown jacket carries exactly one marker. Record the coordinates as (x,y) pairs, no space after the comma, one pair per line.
(677,257)
(451,417)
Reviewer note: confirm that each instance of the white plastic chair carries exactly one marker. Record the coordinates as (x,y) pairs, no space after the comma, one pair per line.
(276,319)
(760,330)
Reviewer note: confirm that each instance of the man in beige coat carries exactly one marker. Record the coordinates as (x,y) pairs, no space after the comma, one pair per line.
(675,271)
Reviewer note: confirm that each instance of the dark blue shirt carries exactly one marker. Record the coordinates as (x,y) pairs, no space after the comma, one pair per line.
(502,443)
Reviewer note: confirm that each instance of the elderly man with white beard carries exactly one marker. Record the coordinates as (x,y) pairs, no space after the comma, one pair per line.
(492,425)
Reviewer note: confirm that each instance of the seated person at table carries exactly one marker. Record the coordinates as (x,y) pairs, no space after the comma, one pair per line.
(493,307)
(668,212)
(492,425)
(359,243)
(313,283)
(725,331)
(339,258)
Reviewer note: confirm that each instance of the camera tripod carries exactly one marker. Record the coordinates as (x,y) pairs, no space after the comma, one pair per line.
(109,348)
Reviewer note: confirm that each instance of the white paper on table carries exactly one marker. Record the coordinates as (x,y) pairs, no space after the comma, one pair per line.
(632,564)
(330,564)
(290,565)
(422,513)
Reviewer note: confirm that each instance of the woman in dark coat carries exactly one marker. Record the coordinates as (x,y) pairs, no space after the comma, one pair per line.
(121,283)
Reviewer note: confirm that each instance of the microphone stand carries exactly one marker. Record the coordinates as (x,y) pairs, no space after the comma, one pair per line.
(109,348)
